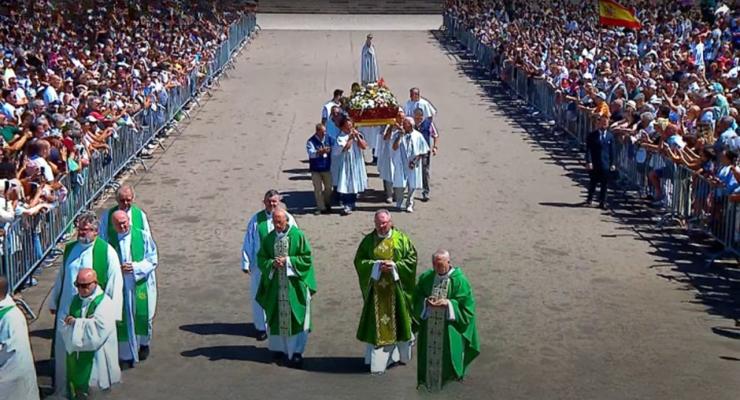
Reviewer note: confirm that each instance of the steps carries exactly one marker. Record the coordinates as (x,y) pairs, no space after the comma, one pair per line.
(351,6)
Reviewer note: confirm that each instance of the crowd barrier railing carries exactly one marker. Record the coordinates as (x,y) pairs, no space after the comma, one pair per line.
(27,241)
(692,200)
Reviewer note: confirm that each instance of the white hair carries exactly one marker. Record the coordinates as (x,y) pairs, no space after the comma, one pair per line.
(441,253)
(410,120)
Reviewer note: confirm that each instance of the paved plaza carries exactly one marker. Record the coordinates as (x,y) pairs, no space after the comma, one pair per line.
(573,303)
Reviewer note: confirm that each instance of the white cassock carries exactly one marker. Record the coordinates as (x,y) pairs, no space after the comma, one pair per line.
(350,166)
(368,65)
(250,247)
(17,371)
(81,256)
(294,344)
(410,146)
(381,357)
(144,269)
(103,226)
(384,153)
(97,334)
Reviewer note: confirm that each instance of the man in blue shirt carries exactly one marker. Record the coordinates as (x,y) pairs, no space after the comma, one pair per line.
(319,147)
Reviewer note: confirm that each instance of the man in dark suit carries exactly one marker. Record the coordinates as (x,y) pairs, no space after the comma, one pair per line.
(600,156)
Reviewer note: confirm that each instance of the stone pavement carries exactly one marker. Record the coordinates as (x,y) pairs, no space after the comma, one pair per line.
(573,303)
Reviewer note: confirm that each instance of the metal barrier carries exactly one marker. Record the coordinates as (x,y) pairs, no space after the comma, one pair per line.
(28,240)
(686,198)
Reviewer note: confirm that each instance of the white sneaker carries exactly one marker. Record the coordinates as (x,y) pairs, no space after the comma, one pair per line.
(410,209)
(389,200)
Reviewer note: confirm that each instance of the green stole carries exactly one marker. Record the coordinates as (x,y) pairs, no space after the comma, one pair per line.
(80,364)
(137,220)
(141,294)
(262,225)
(100,265)
(5,310)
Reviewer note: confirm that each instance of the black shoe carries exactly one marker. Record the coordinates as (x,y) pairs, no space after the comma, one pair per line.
(602,206)
(296,362)
(261,336)
(143,353)
(126,364)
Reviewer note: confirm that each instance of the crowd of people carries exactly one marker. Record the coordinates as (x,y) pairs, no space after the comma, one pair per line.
(74,73)
(668,89)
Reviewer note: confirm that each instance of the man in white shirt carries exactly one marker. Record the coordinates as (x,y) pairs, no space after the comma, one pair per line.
(326,110)
(416,101)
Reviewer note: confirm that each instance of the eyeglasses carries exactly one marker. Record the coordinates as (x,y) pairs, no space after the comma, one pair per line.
(84,285)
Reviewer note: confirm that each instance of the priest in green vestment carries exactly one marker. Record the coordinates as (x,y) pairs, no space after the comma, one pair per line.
(138,255)
(286,287)
(444,307)
(88,333)
(386,268)
(125,197)
(258,227)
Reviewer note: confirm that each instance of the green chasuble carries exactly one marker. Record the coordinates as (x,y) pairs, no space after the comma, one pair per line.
(285,298)
(137,220)
(446,348)
(387,310)
(141,292)
(80,364)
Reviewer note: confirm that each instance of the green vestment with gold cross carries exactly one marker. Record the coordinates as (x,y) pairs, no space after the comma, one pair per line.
(387,311)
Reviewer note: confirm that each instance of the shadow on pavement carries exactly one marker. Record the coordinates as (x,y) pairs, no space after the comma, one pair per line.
(331,365)
(579,204)
(221,328)
(335,365)
(717,287)
(234,353)
(43,368)
(299,202)
(42,333)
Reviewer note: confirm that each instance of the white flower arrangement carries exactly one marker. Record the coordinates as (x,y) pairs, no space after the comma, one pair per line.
(372,96)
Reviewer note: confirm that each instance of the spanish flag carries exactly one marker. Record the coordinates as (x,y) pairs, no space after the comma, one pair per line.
(613,14)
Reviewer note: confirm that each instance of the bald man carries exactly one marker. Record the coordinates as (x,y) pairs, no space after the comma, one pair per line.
(125,197)
(386,268)
(17,372)
(444,307)
(409,146)
(286,288)
(137,253)
(89,340)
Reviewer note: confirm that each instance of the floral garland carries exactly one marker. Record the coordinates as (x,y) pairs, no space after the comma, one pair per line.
(374,95)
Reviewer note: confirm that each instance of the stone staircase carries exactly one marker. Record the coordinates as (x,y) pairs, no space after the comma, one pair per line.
(351,6)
